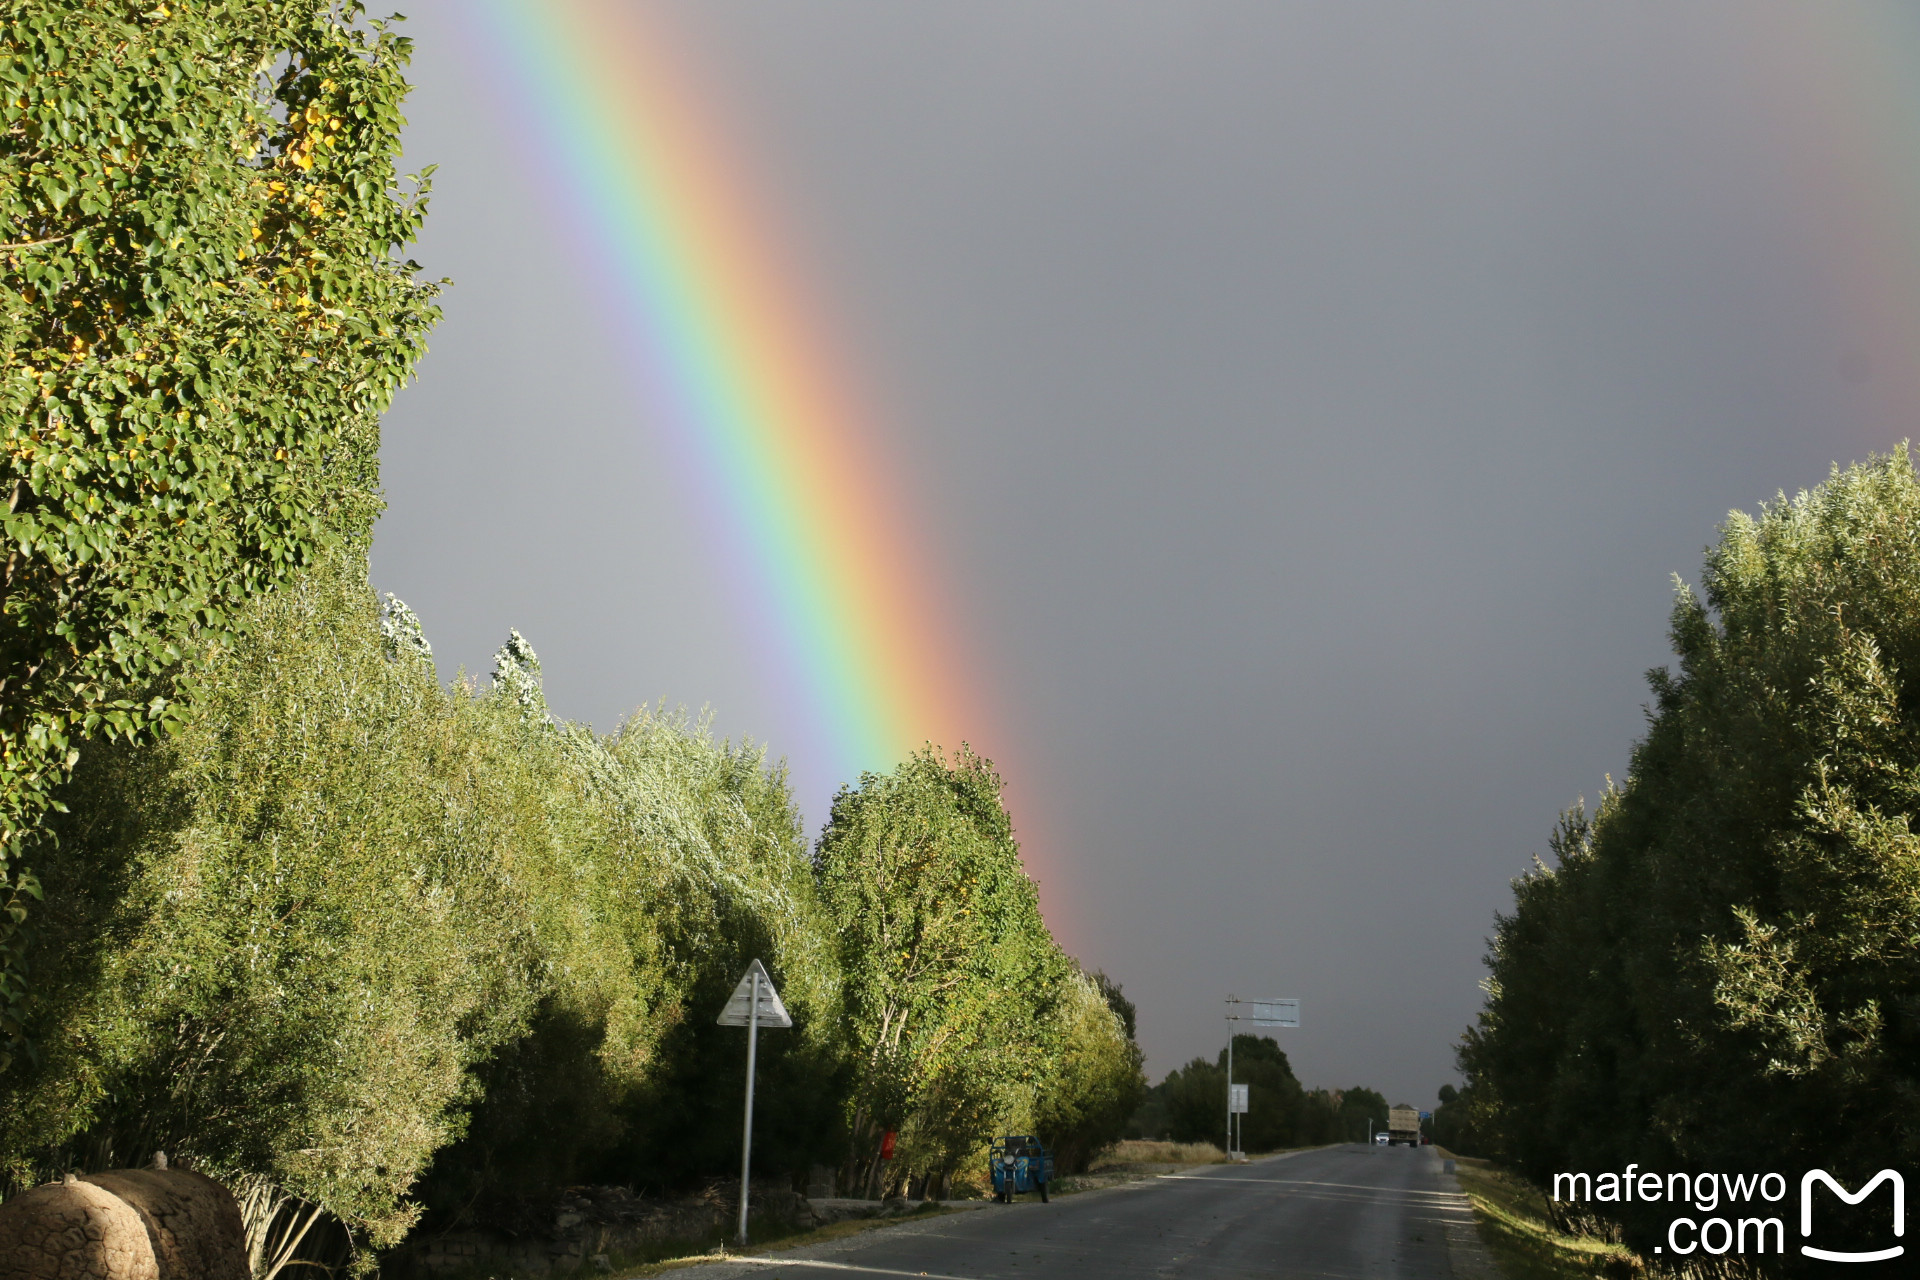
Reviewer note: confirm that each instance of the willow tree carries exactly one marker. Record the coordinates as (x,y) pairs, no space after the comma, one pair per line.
(387,946)
(279,939)
(952,982)
(202,315)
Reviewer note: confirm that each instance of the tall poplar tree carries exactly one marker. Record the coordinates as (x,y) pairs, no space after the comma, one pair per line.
(951,979)
(202,316)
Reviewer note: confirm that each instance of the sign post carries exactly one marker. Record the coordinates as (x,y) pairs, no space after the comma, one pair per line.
(754,1003)
(1233,1002)
(1266,1013)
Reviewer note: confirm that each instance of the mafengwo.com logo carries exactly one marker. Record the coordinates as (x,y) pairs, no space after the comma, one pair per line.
(1734,1214)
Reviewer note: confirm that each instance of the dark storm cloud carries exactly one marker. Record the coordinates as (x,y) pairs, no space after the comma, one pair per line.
(1310,404)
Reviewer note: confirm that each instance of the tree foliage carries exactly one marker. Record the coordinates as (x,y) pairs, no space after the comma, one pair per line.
(1360,1112)
(1190,1105)
(405,949)
(1719,969)
(953,982)
(1096,1081)
(698,863)
(1459,1120)
(279,939)
(343,926)
(394,947)
(201,319)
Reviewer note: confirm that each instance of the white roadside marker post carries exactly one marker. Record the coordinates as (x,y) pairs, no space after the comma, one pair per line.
(754,1001)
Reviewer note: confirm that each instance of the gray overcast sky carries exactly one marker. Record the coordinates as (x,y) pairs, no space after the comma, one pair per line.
(1309,402)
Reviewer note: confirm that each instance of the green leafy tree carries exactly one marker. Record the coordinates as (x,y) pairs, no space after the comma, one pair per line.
(687,859)
(1097,1082)
(281,937)
(1190,1105)
(707,862)
(1195,1101)
(393,947)
(1458,1121)
(201,319)
(1360,1111)
(1276,1103)
(1117,1001)
(953,983)
(1718,970)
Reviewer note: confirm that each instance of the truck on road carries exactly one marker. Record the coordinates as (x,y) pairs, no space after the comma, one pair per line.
(1403,1125)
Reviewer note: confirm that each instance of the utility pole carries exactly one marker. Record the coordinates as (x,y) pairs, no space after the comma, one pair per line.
(1266,1013)
(1232,1017)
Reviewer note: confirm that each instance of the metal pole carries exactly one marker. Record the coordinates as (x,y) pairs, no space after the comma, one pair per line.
(1230,1021)
(746,1134)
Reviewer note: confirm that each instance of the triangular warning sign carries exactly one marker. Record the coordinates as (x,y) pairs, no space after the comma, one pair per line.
(772,1012)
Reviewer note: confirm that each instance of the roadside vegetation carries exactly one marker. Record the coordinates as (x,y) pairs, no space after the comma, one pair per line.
(275,899)
(1136,1153)
(665,1257)
(1517,1226)
(1133,1159)
(1190,1104)
(1716,972)
(407,949)
(203,312)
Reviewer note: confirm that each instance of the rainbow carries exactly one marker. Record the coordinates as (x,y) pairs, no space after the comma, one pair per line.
(821,557)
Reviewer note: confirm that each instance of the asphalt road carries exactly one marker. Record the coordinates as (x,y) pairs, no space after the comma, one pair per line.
(1378,1213)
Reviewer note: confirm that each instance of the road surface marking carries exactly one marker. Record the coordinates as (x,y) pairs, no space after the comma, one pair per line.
(848,1266)
(1303,1182)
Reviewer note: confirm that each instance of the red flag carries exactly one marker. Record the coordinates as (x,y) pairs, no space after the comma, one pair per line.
(886,1145)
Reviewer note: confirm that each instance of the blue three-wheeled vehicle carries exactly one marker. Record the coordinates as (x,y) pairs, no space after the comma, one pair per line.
(1019,1163)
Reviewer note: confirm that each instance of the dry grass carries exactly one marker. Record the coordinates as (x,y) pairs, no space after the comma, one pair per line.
(1134,1152)
(673,1259)
(1133,1160)
(1512,1217)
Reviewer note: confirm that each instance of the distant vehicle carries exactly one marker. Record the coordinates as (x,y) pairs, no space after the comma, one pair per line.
(1403,1125)
(1019,1163)
(1380,1138)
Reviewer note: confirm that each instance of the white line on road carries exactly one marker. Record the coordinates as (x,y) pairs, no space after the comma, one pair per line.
(1357,1186)
(1302,1182)
(847,1266)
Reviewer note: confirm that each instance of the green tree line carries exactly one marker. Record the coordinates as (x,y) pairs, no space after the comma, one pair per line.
(1190,1104)
(406,948)
(275,899)
(1718,972)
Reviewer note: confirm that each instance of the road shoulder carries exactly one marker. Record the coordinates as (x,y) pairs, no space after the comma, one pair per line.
(1515,1235)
